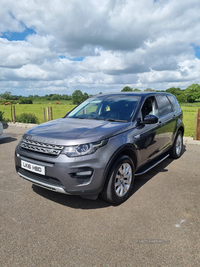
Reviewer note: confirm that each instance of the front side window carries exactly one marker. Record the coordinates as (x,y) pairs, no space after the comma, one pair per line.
(149,107)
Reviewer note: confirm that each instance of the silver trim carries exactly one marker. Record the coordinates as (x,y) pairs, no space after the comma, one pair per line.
(41,147)
(44,185)
(140,173)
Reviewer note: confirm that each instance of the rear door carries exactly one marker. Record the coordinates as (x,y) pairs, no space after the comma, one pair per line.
(167,119)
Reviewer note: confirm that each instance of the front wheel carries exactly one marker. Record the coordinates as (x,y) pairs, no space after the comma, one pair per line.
(120,181)
(177,148)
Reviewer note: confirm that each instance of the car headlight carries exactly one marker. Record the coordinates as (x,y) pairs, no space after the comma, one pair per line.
(84,149)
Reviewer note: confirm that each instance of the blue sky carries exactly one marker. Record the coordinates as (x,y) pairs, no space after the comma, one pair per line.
(99,47)
(17,36)
(197,52)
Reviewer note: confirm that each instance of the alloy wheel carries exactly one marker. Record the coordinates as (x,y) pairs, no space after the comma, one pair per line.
(123,179)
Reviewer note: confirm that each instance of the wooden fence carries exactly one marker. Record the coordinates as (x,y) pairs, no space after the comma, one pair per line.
(49,116)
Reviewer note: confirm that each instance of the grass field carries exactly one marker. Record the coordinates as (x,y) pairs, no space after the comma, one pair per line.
(37,109)
(189,112)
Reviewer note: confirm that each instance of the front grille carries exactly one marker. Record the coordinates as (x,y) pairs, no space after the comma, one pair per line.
(40,147)
(40,178)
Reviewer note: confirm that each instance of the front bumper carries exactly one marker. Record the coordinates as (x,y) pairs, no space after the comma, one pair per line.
(74,176)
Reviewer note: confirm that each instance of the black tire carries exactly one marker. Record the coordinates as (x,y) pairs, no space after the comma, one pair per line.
(177,148)
(119,183)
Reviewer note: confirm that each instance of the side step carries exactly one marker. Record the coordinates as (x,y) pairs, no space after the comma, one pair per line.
(151,165)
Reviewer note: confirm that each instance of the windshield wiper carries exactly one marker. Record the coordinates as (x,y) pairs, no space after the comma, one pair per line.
(114,120)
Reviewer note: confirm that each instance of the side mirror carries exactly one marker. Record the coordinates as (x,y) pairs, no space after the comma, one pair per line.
(150,119)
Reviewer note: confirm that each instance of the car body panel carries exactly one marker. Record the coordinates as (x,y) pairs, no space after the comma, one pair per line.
(62,131)
(1,128)
(86,174)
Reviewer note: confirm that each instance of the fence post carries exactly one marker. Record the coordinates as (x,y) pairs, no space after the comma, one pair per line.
(14,114)
(11,113)
(198,125)
(44,114)
(47,113)
(51,114)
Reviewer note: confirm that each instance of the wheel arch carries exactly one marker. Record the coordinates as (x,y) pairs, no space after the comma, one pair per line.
(128,150)
(181,128)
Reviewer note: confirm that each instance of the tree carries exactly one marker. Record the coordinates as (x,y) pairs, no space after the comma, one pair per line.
(181,98)
(77,97)
(55,97)
(136,90)
(174,91)
(66,97)
(127,89)
(85,96)
(149,90)
(47,97)
(6,95)
(36,96)
(193,92)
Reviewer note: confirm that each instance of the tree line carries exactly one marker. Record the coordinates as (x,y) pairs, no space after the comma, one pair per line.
(190,95)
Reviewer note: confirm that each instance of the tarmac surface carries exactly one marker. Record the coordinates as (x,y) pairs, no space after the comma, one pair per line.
(159,225)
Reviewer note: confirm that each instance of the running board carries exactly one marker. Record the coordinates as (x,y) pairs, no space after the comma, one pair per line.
(152,166)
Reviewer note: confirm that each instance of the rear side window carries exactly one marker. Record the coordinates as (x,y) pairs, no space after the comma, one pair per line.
(174,101)
(164,105)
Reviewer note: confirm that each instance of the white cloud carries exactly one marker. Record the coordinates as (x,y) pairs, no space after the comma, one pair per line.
(123,42)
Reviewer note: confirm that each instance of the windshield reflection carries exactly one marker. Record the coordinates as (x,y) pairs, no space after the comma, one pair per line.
(111,108)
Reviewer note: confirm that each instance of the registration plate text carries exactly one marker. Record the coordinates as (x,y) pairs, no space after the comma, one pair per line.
(33,167)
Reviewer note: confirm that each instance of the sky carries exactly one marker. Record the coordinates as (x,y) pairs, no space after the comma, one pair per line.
(59,46)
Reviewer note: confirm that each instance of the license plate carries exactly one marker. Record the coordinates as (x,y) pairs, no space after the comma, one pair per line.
(33,167)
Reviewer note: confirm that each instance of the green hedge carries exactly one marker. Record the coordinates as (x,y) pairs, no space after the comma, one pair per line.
(1,115)
(27,118)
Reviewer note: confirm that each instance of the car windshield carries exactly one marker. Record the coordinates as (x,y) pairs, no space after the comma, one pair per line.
(112,108)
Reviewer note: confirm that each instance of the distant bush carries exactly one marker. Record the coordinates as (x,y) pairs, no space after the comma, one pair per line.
(27,118)
(1,115)
(24,100)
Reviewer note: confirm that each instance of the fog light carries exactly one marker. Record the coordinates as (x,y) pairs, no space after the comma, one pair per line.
(84,173)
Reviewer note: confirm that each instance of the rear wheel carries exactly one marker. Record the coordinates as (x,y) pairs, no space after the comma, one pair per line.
(120,180)
(177,148)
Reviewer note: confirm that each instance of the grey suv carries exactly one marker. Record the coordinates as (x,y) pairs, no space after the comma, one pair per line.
(102,144)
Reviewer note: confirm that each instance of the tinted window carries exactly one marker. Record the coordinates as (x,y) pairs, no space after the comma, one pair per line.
(174,101)
(149,107)
(117,107)
(164,105)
